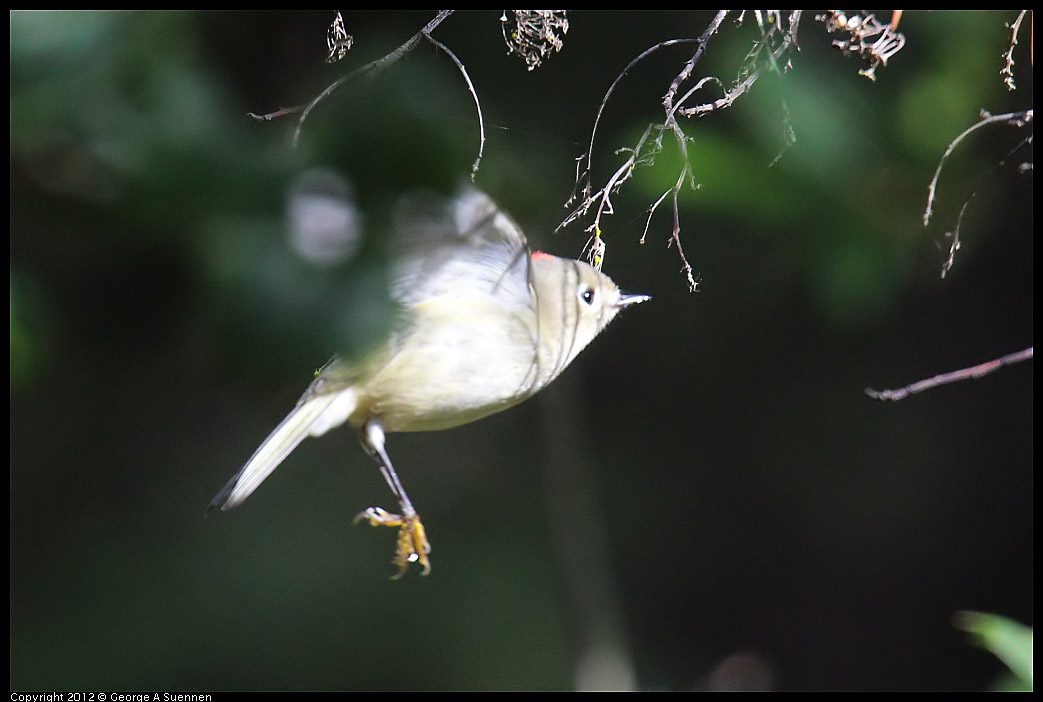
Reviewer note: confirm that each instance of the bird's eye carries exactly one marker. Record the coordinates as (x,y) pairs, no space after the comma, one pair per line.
(587,295)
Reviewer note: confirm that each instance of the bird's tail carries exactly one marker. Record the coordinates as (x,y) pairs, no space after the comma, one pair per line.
(311,417)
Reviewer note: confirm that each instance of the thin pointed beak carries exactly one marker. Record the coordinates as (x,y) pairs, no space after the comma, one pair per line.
(626,300)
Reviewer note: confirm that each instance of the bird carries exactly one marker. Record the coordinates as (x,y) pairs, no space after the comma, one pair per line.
(482,324)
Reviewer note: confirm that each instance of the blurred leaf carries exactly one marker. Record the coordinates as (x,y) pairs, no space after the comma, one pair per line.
(28,340)
(1009,640)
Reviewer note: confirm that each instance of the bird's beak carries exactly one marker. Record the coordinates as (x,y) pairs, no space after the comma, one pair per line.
(626,300)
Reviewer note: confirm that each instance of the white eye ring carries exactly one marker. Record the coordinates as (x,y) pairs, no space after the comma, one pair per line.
(587,295)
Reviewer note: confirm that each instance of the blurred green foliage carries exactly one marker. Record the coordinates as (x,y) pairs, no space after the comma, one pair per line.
(1010,641)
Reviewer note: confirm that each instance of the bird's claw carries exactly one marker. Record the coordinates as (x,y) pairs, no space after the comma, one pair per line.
(412,545)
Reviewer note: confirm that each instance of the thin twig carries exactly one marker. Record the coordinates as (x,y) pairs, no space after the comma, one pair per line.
(621,174)
(611,89)
(954,246)
(651,211)
(373,67)
(685,174)
(693,284)
(730,96)
(1017,119)
(703,40)
(698,86)
(1008,58)
(281,112)
(672,108)
(974,372)
(603,196)
(477,105)
(955,234)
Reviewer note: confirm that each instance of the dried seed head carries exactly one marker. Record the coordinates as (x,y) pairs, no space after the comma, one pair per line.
(534,34)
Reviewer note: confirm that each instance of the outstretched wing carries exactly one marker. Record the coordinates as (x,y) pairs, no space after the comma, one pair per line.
(465,247)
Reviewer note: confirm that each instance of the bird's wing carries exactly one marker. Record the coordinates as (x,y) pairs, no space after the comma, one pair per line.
(464,247)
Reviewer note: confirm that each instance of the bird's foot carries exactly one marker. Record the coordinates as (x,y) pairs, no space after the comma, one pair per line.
(412,545)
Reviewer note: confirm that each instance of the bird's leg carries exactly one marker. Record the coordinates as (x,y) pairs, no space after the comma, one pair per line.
(412,546)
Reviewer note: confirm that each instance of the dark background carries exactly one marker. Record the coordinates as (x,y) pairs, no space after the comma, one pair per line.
(705,499)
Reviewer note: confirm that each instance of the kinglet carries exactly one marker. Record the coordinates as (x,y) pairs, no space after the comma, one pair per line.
(483,325)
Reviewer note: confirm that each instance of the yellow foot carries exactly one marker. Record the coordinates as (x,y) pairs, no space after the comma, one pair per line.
(412,546)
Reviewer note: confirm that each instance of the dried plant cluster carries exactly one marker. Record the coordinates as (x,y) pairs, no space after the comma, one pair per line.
(867,37)
(534,34)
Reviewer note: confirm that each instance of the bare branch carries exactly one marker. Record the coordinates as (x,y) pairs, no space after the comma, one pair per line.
(730,96)
(603,196)
(371,68)
(688,112)
(477,105)
(714,25)
(651,211)
(954,246)
(693,284)
(282,111)
(601,110)
(1008,58)
(339,41)
(1017,119)
(775,41)
(974,372)
(955,235)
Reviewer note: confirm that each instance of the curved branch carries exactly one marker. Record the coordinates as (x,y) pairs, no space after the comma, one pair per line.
(370,68)
(1015,118)
(604,101)
(477,105)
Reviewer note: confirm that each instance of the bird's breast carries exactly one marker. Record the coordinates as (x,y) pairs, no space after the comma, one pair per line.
(455,362)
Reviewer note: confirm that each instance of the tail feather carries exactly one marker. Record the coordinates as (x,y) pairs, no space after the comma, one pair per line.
(291,431)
